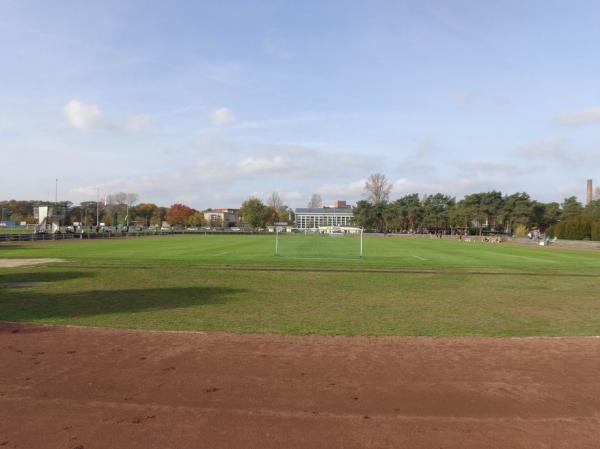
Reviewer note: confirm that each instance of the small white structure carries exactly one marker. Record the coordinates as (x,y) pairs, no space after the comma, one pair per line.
(339,230)
(280,227)
(48,216)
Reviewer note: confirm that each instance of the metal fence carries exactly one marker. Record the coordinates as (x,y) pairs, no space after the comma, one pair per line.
(22,237)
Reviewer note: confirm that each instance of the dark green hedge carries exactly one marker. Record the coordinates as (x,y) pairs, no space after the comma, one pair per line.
(579,227)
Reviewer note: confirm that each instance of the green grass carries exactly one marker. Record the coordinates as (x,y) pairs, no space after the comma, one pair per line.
(403,286)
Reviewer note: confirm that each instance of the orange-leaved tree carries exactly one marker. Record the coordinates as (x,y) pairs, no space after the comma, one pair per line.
(178,214)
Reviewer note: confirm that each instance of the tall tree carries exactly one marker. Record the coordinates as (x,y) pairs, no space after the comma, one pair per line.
(593,209)
(271,215)
(394,216)
(315,201)
(436,209)
(254,213)
(89,209)
(414,211)
(493,202)
(159,215)
(179,214)
(117,205)
(144,212)
(275,203)
(196,219)
(364,215)
(379,216)
(551,214)
(516,211)
(544,215)
(378,188)
(475,209)
(460,216)
(571,207)
(123,198)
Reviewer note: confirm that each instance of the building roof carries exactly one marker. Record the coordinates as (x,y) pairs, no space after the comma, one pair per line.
(324,210)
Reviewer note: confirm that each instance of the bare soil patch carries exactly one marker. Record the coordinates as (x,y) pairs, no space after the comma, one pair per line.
(12,263)
(64,387)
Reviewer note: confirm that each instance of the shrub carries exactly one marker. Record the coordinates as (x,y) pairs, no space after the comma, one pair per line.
(578,227)
(520,230)
(596,230)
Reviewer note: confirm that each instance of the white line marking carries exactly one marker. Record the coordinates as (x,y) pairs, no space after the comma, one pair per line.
(418,257)
(222,254)
(320,258)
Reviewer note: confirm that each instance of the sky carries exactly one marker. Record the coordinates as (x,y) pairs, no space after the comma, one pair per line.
(209,102)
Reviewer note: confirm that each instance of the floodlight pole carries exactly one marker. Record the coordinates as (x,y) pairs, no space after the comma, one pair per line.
(98,208)
(361,243)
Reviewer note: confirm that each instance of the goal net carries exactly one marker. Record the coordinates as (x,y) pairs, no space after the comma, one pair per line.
(322,243)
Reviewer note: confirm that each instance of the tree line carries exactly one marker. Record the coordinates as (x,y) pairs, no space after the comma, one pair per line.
(475,213)
(122,208)
(116,209)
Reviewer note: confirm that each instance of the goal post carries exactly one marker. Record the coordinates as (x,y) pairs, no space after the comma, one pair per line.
(361,243)
(320,243)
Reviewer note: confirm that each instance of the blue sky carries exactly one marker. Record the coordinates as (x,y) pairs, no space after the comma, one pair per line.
(207,103)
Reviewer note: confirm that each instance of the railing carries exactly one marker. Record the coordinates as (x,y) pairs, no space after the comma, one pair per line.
(22,237)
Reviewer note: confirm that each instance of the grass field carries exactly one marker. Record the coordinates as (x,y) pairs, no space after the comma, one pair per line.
(403,286)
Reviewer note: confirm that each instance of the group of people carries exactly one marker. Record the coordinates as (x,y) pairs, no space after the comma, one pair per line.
(485,239)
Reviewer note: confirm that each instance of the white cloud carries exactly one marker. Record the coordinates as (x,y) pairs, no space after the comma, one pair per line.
(490,167)
(89,116)
(350,190)
(418,161)
(586,116)
(222,116)
(83,116)
(551,147)
(457,186)
(136,123)
(407,186)
(425,149)
(264,165)
(300,162)
(282,121)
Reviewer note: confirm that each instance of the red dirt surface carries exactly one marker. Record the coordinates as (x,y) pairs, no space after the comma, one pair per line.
(80,388)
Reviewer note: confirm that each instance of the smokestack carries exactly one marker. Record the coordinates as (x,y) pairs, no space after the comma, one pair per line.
(589,192)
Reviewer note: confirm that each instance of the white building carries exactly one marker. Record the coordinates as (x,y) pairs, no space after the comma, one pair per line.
(221,217)
(310,218)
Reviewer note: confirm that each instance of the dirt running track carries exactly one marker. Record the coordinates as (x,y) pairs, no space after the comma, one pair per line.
(73,388)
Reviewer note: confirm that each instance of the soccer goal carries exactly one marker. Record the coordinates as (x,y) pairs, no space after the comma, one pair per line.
(321,243)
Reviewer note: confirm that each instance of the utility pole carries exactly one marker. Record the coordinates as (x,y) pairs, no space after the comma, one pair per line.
(56,209)
(98,208)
